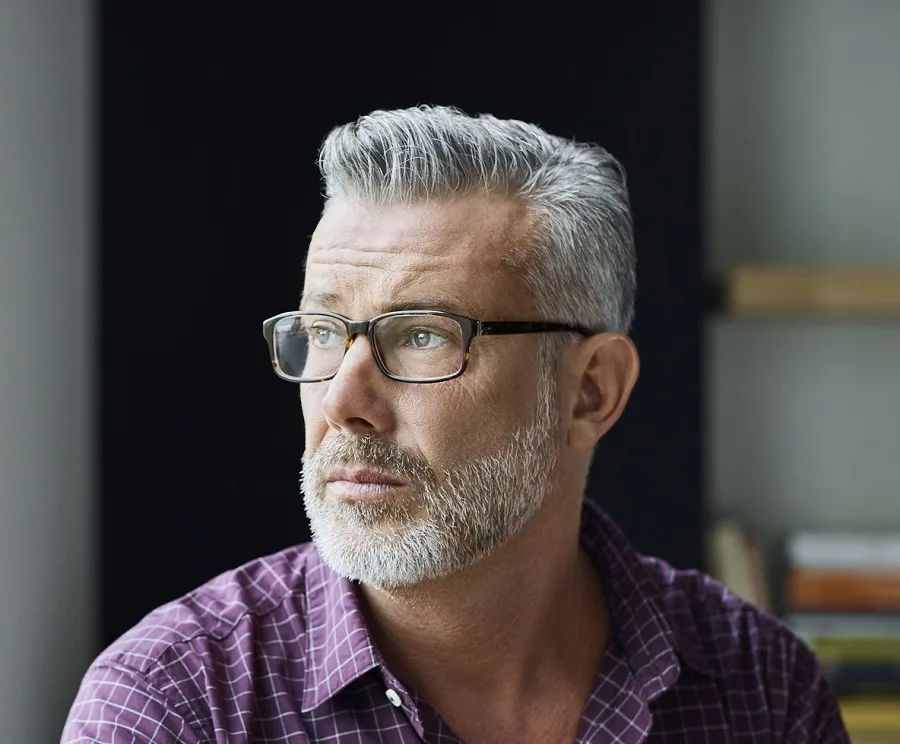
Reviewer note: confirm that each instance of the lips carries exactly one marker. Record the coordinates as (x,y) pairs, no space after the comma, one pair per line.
(364,476)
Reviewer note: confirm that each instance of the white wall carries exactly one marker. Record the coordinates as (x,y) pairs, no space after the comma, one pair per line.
(804,167)
(46,430)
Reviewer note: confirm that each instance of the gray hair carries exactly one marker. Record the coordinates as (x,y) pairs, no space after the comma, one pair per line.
(578,260)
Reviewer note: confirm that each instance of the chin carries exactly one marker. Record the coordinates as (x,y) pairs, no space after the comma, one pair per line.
(386,556)
(390,558)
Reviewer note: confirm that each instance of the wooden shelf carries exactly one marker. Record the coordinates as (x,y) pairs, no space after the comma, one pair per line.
(771,290)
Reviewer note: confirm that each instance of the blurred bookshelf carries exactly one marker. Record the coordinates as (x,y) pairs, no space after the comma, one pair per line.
(841,595)
(802,386)
(837,588)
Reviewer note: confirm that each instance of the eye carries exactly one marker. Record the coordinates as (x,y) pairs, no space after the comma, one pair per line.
(324,335)
(421,338)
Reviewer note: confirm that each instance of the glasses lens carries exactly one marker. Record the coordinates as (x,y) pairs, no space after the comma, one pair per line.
(420,347)
(309,347)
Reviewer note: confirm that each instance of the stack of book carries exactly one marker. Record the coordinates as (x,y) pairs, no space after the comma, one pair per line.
(735,557)
(843,597)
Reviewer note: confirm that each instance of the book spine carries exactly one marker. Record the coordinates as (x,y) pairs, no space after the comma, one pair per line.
(842,625)
(861,650)
(871,714)
(825,590)
(856,680)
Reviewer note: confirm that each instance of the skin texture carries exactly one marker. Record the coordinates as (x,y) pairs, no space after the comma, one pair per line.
(507,648)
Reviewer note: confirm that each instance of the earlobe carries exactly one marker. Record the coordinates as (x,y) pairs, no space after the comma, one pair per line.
(609,370)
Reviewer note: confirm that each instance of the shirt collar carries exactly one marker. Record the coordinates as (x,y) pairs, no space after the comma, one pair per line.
(652,623)
(339,648)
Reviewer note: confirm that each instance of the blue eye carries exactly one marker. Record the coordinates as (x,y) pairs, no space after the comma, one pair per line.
(422,339)
(324,335)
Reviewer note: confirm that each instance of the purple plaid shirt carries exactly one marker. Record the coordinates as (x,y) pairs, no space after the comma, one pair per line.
(278,651)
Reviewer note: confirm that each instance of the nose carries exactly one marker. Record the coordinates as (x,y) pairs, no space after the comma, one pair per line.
(357,401)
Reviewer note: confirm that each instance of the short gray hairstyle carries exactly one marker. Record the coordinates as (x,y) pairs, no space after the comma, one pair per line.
(578,261)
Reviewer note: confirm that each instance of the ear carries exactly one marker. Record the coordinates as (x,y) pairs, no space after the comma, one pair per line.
(605,368)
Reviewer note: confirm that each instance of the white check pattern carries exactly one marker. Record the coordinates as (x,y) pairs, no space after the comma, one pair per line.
(278,651)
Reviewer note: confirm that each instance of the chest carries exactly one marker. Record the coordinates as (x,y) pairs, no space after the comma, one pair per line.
(688,714)
(547,720)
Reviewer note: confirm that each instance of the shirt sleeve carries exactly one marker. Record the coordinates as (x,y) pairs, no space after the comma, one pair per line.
(117,706)
(813,714)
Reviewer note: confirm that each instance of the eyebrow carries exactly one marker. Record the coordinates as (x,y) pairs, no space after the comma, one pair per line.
(322,299)
(430,302)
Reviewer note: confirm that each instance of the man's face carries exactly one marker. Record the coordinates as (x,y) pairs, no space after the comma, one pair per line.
(469,459)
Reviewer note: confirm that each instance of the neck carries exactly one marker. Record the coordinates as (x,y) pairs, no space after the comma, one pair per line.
(530,613)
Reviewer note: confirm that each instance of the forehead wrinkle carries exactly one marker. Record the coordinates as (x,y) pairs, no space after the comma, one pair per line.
(401,291)
(404,267)
(420,254)
(405,294)
(402,263)
(405,231)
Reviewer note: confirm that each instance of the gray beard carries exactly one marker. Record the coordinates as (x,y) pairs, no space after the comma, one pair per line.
(449,521)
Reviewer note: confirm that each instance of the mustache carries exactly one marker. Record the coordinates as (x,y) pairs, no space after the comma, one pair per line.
(367,450)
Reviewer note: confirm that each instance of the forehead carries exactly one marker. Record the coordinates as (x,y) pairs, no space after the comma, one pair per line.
(450,254)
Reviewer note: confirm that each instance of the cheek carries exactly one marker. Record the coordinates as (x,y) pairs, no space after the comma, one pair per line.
(511,406)
(447,426)
(314,424)
(435,421)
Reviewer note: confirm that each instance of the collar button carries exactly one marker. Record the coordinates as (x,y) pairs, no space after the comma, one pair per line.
(394,698)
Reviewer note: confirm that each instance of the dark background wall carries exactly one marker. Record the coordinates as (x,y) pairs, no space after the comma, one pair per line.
(209,122)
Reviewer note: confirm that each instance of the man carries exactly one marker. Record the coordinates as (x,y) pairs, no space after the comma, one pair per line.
(460,348)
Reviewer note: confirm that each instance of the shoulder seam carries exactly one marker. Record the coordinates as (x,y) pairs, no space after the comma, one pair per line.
(150,689)
(157,660)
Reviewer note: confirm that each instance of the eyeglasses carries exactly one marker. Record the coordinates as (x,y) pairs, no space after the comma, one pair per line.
(409,346)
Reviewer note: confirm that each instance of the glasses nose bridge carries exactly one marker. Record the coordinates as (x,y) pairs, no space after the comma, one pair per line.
(357,328)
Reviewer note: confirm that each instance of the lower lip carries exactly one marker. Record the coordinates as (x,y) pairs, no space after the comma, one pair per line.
(357,490)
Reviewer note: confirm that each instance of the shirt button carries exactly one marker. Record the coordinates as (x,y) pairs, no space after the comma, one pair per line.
(394,698)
